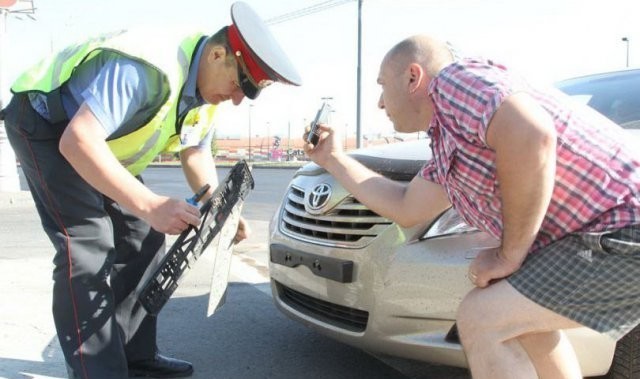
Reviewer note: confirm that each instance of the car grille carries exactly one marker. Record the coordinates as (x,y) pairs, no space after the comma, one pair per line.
(350,224)
(339,316)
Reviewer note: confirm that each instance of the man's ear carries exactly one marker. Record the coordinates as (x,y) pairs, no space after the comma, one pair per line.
(416,77)
(216,52)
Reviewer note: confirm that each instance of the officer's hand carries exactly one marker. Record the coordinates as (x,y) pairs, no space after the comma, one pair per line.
(173,216)
(243,231)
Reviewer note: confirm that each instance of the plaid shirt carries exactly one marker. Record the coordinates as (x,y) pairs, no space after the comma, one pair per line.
(597,183)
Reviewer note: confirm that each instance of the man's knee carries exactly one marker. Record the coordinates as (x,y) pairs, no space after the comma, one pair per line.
(482,315)
(471,318)
(499,313)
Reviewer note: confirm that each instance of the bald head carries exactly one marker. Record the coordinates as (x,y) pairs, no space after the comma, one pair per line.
(431,54)
(405,75)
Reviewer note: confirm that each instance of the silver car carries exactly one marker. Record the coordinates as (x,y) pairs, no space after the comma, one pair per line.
(343,270)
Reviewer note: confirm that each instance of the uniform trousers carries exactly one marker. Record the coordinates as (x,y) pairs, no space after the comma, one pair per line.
(101,253)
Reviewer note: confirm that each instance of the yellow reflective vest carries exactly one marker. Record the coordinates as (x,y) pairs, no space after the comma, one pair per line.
(166,51)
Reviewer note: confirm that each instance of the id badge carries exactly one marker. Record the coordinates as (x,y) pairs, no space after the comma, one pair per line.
(190,135)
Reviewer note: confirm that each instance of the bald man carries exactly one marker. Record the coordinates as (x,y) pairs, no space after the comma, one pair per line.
(550,179)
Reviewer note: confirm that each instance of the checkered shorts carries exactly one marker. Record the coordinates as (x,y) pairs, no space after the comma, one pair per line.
(591,278)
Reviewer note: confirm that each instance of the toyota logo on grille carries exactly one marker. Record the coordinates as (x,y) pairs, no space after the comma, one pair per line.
(319,196)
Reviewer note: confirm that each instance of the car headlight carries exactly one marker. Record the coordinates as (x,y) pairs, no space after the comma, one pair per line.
(448,223)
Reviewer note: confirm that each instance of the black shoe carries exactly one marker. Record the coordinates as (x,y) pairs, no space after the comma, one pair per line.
(160,367)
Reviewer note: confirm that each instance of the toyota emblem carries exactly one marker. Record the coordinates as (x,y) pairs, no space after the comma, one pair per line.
(319,196)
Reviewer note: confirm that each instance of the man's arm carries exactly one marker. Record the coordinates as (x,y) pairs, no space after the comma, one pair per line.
(83,144)
(523,136)
(406,204)
(199,168)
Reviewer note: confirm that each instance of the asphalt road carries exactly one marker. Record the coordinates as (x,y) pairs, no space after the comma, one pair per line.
(247,338)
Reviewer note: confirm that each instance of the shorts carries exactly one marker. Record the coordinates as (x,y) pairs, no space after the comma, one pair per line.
(591,278)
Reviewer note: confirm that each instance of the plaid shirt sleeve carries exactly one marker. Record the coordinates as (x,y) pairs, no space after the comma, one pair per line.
(467,94)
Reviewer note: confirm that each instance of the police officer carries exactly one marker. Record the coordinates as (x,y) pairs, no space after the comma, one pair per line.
(84,124)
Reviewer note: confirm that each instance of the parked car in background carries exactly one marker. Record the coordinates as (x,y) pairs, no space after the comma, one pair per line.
(353,275)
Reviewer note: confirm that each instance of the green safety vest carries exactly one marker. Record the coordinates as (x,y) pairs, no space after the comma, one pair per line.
(156,49)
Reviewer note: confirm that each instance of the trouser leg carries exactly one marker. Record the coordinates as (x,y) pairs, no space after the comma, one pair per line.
(137,244)
(73,216)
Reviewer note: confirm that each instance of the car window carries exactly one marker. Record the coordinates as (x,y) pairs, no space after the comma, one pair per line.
(615,95)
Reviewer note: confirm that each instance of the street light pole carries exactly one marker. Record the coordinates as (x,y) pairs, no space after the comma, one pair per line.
(626,41)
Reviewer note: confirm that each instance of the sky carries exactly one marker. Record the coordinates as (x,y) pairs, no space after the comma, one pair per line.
(545,40)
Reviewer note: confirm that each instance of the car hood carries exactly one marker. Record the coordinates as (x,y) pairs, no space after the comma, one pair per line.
(397,161)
